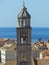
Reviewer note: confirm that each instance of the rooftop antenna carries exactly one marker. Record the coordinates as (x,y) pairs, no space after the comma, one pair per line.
(23,3)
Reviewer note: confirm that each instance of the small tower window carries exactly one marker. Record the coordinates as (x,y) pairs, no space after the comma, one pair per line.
(21,40)
(24,40)
(24,23)
(20,22)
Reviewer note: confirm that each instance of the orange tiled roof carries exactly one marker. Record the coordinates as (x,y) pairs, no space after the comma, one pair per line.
(45,51)
(47,44)
(45,54)
(39,44)
(46,57)
(1,39)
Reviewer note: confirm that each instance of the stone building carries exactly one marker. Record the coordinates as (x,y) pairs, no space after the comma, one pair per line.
(24,38)
(8,53)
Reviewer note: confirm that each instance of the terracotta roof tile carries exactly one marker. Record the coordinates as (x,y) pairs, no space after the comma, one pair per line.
(46,57)
(47,44)
(45,51)
(1,39)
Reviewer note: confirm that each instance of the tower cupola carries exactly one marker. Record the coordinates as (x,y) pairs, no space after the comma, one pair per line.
(24,18)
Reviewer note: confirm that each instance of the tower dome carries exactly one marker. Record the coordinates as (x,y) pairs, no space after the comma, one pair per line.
(24,18)
(24,14)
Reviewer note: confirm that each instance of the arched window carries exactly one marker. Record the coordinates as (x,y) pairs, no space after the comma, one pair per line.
(22,40)
(24,23)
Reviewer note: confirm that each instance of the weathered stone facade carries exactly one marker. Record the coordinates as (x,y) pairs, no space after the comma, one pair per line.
(24,38)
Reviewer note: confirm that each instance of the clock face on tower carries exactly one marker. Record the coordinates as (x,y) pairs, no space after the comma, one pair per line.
(23,57)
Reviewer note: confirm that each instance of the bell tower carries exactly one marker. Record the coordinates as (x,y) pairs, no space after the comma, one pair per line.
(24,38)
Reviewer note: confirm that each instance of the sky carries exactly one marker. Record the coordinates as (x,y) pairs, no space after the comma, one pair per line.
(38,9)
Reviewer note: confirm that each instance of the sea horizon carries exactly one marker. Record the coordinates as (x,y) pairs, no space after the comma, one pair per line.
(37,32)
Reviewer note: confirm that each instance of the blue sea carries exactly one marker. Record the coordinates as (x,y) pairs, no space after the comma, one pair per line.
(37,33)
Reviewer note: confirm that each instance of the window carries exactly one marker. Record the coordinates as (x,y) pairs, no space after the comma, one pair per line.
(24,23)
(25,39)
(21,40)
